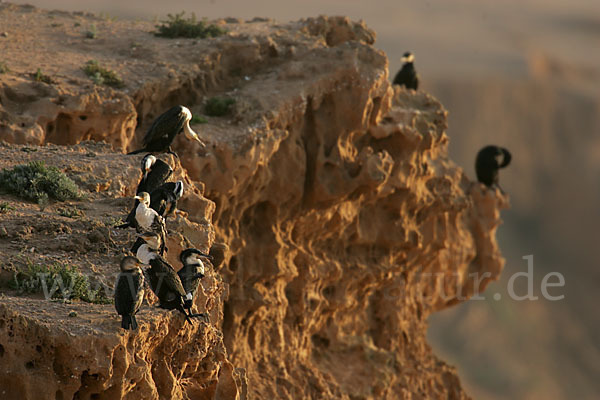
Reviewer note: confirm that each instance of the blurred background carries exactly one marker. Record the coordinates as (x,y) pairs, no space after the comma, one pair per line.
(525,75)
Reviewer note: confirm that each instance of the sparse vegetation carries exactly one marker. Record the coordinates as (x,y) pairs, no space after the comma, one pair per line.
(37,182)
(218,106)
(198,119)
(101,75)
(5,207)
(3,67)
(56,281)
(69,212)
(39,76)
(91,33)
(179,27)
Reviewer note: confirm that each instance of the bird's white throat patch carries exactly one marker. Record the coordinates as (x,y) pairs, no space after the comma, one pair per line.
(145,216)
(145,254)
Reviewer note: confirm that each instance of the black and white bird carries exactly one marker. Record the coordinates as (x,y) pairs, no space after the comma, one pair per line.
(163,200)
(155,173)
(164,129)
(488,162)
(147,219)
(162,278)
(190,274)
(407,76)
(129,291)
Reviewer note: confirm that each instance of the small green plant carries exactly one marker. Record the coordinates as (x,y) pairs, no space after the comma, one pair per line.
(39,76)
(37,182)
(55,281)
(198,119)
(91,33)
(69,212)
(101,75)
(56,24)
(5,207)
(178,27)
(218,106)
(3,68)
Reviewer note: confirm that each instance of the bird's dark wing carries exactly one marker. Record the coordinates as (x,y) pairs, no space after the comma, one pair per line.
(127,289)
(163,198)
(167,125)
(189,278)
(170,279)
(407,76)
(158,175)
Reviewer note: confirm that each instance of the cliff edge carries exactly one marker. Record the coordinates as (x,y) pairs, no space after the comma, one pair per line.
(341,222)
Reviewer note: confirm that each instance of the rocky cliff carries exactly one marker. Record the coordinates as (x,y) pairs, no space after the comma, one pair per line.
(341,222)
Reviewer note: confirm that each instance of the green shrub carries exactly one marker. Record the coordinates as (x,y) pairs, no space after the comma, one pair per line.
(37,182)
(178,27)
(5,207)
(69,212)
(3,67)
(39,76)
(218,106)
(57,281)
(102,76)
(91,33)
(198,119)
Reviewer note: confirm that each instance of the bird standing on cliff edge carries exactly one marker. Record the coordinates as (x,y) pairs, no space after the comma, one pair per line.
(164,198)
(146,219)
(164,129)
(407,76)
(155,173)
(162,278)
(129,291)
(488,162)
(190,274)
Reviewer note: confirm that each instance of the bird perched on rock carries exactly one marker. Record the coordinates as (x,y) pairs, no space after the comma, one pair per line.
(129,291)
(164,129)
(407,76)
(163,200)
(155,172)
(147,219)
(162,278)
(489,160)
(190,274)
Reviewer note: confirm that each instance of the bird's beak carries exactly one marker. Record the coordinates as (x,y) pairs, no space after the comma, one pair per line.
(138,198)
(199,141)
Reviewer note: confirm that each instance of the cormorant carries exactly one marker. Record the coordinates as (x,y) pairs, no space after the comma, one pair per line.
(163,200)
(155,172)
(162,278)
(163,130)
(147,219)
(407,76)
(190,274)
(489,160)
(129,291)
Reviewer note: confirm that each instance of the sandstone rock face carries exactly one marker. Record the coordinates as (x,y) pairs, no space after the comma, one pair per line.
(337,221)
